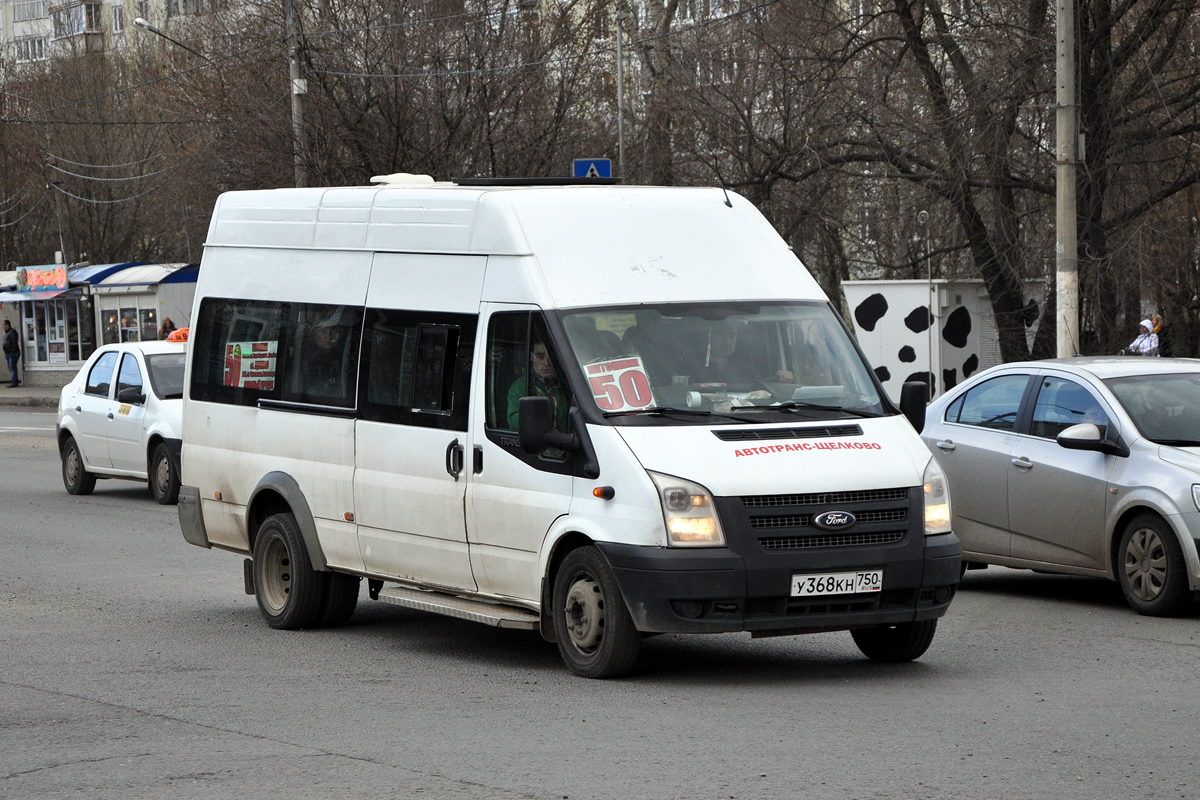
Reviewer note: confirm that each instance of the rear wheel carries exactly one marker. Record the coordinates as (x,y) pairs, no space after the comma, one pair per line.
(595,633)
(75,476)
(164,477)
(903,642)
(1150,568)
(290,593)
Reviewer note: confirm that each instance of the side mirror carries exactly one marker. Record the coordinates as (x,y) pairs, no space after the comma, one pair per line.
(535,427)
(1086,436)
(132,395)
(914,396)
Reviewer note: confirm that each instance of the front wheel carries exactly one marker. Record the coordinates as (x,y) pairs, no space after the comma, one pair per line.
(894,643)
(164,477)
(595,633)
(1150,568)
(290,593)
(76,478)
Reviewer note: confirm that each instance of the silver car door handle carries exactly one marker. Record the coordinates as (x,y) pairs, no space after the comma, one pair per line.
(946,445)
(1022,463)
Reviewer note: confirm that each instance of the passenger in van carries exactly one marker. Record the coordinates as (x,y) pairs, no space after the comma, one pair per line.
(722,363)
(541,380)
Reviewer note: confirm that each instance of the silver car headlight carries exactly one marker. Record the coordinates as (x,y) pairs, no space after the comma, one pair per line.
(937,499)
(689,513)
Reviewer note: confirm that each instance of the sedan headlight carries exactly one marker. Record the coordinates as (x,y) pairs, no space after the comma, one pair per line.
(937,500)
(689,513)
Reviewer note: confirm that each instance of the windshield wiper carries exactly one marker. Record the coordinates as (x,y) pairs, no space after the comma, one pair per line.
(664,410)
(795,405)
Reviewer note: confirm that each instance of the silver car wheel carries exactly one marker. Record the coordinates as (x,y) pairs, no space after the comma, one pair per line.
(1146,564)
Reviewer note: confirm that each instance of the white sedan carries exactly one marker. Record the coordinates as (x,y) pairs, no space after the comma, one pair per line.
(121,417)
(1084,466)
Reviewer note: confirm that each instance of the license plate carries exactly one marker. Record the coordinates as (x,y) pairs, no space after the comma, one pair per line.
(837,583)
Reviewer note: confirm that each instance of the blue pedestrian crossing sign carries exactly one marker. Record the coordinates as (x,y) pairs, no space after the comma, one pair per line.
(593,168)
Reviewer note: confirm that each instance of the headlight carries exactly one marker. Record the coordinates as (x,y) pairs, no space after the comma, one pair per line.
(1196,495)
(689,513)
(937,500)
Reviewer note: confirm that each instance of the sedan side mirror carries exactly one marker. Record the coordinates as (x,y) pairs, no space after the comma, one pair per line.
(132,395)
(1086,436)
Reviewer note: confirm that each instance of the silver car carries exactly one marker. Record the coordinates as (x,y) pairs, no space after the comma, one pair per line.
(1084,466)
(121,417)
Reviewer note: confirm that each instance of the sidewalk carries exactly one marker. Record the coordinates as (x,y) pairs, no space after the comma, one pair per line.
(29,396)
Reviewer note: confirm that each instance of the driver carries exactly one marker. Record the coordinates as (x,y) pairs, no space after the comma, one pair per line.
(541,380)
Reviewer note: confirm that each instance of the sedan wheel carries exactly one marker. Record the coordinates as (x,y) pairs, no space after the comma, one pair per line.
(1151,569)
(76,478)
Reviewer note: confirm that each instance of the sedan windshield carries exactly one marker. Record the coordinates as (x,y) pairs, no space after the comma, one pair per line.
(166,374)
(761,361)
(1165,408)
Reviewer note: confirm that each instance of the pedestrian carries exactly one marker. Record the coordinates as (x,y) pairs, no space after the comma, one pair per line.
(1146,344)
(12,352)
(1164,336)
(166,329)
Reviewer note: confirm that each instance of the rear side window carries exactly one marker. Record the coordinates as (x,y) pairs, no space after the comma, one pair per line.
(248,351)
(130,375)
(100,376)
(992,404)
(417,368)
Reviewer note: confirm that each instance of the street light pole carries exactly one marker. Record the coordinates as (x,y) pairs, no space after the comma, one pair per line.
(146,26)
(620,98)
(299,89)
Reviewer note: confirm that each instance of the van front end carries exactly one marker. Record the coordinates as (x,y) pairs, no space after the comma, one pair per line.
(782,573)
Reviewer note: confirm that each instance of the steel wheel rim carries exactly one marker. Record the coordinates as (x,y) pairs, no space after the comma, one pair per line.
(276,574)
(72,465)
(584,612)
(162,475)
(1146,564)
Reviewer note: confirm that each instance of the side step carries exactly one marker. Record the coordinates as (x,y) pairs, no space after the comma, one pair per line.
(461,607)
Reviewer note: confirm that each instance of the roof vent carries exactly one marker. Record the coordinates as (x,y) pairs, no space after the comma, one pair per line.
(403,179)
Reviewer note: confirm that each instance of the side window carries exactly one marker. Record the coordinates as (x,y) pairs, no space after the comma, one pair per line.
(992,404)
(100,377)
(417,368)
(130,374)
(322,355)
(1061,404)
(236,345)
(521,363)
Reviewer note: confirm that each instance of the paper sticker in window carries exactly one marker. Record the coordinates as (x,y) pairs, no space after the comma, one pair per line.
(250,365)
(620,384)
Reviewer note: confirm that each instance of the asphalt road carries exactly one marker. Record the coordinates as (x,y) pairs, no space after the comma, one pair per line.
(133,665)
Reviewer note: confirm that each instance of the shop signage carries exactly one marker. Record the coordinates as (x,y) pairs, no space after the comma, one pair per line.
(41,279)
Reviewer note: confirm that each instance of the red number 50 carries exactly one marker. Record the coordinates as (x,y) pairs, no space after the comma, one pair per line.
(630,389)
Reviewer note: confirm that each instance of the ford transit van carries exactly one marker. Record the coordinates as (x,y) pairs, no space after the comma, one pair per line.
(594,411)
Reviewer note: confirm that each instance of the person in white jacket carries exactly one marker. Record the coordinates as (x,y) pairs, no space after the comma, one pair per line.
(1146,344)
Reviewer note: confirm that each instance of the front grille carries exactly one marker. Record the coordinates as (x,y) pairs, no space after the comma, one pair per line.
(823,498)
(830,540)
(763,434)
(802,520)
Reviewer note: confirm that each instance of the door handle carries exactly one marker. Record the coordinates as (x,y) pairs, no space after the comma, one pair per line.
(477,466)
(1022,463)
(454,459)
(110,415)
(946,445)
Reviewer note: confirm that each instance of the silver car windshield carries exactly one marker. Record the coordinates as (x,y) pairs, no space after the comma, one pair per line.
(752,361)
(1165,408)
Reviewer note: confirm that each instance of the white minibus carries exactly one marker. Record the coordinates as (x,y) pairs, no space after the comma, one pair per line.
(595,411)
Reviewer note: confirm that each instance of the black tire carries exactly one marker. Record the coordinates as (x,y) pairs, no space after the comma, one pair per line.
(1150,568)
(75,476)
(164,476)
(904,642)
(290,593)
(340,601)
(595,633)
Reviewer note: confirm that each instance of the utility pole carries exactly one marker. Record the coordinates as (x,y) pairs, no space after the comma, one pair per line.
(1066,247)
(620,98)
(299,89)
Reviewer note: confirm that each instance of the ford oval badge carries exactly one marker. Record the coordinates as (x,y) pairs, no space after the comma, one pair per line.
(834,520)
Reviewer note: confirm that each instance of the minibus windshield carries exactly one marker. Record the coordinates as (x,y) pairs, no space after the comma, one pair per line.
(757,360)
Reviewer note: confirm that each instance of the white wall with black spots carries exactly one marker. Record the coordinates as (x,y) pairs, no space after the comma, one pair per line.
(939,332)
